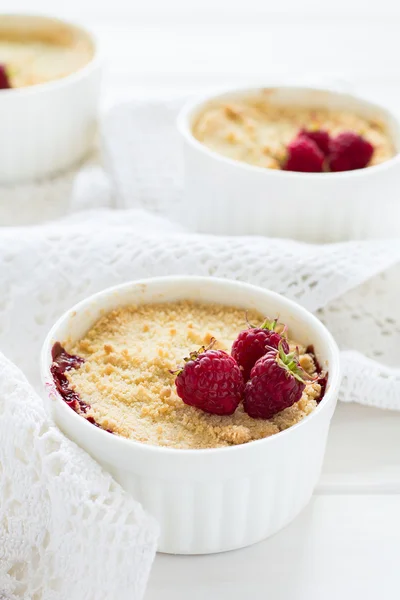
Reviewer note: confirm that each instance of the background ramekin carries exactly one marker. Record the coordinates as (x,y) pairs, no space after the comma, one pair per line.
(48,127)
(225,196)
(218,499)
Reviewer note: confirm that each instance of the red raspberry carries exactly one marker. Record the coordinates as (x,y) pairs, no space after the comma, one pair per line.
(319,137)
(211,380)
(4,80)
(276,383)
(251,344)
(304,155)
(349,151)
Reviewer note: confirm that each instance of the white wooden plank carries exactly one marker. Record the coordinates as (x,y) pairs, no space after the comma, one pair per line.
(339,547)
(363,452)
(221,11)
(256,51)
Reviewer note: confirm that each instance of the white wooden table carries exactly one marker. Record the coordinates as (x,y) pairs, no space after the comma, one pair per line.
(346,544)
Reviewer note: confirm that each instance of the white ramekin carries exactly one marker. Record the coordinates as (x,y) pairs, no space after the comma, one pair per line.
(218,499)
(48,127)
(225,196)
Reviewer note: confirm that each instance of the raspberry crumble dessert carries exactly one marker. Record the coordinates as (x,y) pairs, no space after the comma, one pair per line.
(292,138)
(238,382)
(32,56)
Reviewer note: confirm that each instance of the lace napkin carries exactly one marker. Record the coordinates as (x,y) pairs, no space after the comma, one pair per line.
(352,286)
(61,518)
(67,530)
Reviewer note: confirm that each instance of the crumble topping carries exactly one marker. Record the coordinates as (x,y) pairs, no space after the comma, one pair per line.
(253,130)
(39,56)
(126,379)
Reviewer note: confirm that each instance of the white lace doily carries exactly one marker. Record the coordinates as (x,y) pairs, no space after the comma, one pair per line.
(67,530)
(51,492)
(351,286)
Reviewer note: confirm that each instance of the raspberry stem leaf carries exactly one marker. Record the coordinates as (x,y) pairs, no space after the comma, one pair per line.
(290,362)
(193,355)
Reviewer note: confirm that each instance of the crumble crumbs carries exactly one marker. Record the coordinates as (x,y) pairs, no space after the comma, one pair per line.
(126,376)
(35,56)
(253,130)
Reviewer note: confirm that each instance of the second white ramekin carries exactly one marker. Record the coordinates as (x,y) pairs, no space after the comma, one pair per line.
(47,128)
(218,499)
(229,197)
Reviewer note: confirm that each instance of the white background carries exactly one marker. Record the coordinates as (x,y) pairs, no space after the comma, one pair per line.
(156,46)
(347,543)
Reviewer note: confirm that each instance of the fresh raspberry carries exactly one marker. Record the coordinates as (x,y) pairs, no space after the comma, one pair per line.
(276,382)
(304,155)
(212,381)
(319,137)
(349,151)
(252,343)
(4,80)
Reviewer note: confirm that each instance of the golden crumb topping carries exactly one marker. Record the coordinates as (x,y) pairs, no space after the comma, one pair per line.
(126,377)
(33,57)
(255,131)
